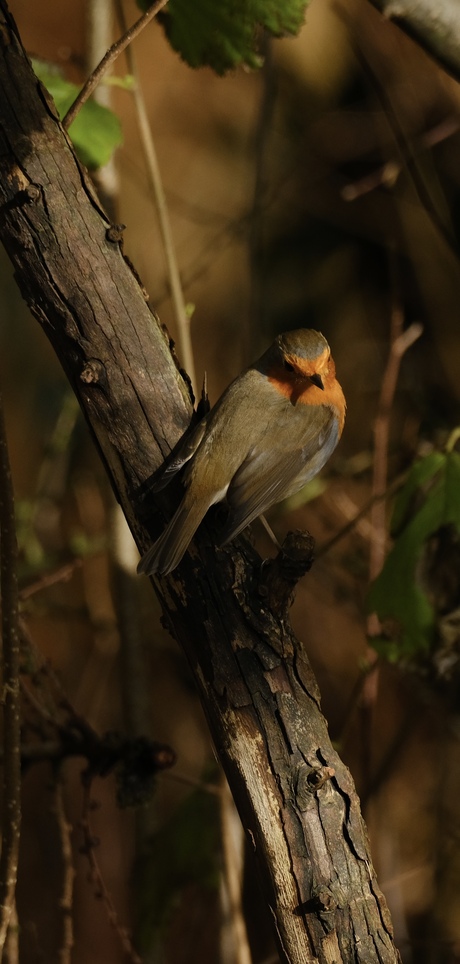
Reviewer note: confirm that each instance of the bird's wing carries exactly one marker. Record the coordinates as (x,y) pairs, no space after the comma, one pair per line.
(181,454)
(270,474)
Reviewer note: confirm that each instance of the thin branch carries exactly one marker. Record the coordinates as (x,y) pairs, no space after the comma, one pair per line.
(407,152)
(99,36)
(11,805)
(109,58)
(387,174)
(88,849)
(156,184)
(197,784)
(62,574)
(400,342)
(11,951)
(355,701)
(68,872)
(235,945)
(354,522)
(264,124)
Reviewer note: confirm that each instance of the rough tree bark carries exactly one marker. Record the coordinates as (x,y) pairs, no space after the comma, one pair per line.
(434,24)
(296,798)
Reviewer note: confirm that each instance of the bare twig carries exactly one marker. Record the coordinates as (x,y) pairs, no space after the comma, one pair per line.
(197,784)
(354,522)
(388,173)
(263,127)
(400,342)
(62,574)
(99,36)
(234,937)
(39,707)
(11,804)
(68,872)
(156,184)
(89,844)
(11,950)
(408,154)
(109,58)
(355,700)
(52,698)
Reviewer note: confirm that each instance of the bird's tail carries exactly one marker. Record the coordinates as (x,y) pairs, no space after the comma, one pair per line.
(166,553)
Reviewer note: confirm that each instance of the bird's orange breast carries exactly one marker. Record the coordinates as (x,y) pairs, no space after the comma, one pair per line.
(301,391)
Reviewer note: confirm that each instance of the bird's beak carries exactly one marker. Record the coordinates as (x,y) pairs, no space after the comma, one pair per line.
(317,380)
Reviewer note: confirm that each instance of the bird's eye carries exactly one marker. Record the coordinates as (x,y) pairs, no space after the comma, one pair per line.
(288,366)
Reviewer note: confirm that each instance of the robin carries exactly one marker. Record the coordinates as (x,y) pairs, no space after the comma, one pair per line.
(270,432)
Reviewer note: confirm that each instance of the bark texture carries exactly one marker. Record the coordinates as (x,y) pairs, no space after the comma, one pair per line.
(434,24)
(296,798)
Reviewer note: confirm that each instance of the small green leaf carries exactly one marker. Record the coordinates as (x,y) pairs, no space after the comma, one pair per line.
(398,595)
(312,490)
(81,545)
(224,33)
(421,473)
(96,131)
(128,82)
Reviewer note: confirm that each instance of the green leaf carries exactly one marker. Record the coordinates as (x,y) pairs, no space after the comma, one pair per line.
(422,472)
(96,131)
(312,490)
(224,33)
(128,82)
(398,595)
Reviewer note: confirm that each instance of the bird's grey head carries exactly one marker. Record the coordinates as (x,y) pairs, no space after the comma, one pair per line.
(302,343)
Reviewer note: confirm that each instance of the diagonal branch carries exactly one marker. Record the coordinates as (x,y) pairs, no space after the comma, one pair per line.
(295,797)
(108,59)
(159,197)
(409,157)
(10,699)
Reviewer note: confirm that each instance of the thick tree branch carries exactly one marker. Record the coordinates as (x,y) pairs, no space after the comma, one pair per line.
(434,24)
(295,797)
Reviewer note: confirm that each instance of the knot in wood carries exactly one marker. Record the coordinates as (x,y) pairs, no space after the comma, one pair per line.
(325,901)
(281,575)
(32,193)
(115,233)
(93,372)
(324,904)
(318,776)
(308,781)
(297,554)
(164,756)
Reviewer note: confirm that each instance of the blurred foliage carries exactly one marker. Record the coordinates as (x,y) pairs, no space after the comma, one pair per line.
(96,131)
(413,590)
(141,761)
(29,544)
(224,34)
(184,851)
(312,490)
